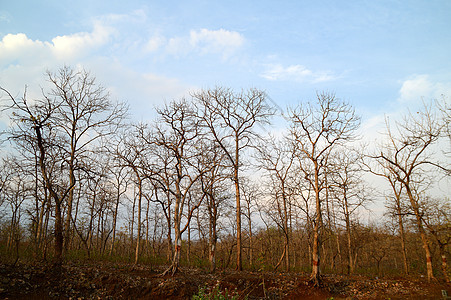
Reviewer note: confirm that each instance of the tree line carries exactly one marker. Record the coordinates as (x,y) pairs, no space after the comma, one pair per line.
(204,184)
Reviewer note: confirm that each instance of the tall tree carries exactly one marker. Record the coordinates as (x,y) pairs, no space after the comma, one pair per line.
(84,115)
(231,119)
(317,129)
(131,152)
(349,191)
(214,189)
(177,132)
(277,159)
(406,156)
(34,122)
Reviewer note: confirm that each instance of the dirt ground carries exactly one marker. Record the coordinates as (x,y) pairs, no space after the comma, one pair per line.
(122,281)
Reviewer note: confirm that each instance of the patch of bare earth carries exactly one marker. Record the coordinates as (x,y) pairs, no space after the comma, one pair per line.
(122,281)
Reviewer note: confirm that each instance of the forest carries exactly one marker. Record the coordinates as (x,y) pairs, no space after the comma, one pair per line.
(208,185)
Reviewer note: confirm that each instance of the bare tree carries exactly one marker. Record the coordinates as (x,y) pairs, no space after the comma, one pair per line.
(251,192)
(33,122)
(85,114)
(119,181)
(214,189)
(405,156)
(177,132)
(349,191)
(396,206)
(317,129)
(15,192)
(131,152)
(231,119)
(436,215)
(277,159)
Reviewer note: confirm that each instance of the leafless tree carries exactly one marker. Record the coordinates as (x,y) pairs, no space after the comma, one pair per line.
(231,119)
(436,216)
(84,115)
(131,151)
(405,155)
(251,194)
(277,158)
(214,188)
(317,129)
(396,207)
(177,133)
(34,122)
(349,191)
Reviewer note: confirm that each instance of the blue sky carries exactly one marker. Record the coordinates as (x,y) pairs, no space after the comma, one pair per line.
(382,56)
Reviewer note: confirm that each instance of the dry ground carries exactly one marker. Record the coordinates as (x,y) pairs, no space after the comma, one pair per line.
(122,281)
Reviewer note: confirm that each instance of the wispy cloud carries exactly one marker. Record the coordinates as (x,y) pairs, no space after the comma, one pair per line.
(299,73)
(419,87)
(5,17)
(221,42)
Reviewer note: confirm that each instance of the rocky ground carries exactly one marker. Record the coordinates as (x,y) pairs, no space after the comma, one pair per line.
(123,281)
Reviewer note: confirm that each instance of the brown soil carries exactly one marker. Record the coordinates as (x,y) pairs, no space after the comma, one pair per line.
(121,281)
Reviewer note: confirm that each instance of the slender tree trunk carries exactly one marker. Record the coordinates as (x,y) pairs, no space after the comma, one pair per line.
(424,238)
(138,237)
(212,235)
(58,234)
(444,262)
(188,251)
(239,261)
(113,238)
(212,244)
(251,250)
(147,243)
(286,229)
(315,277)
(132,225)
(70,200)
(177,235)
(348,235)
(402,237)
(284,254)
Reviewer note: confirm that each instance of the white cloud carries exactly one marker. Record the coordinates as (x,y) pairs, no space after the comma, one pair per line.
(14,46)
(204,41)
(155,43)
(70,46)
(23,62)
(421,87)
(19,49)
(299,73)
(216,41)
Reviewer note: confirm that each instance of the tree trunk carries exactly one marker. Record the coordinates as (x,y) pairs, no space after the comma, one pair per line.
(132,226)
(444,262)
(424,238)
(212,234)
(188,251)
(251,251)
(348,235)
(113,238)
(70,200)
(402,236)
(138,238)
(177,251)
(239,262)
(58,235)
(58,216)
(315,277)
